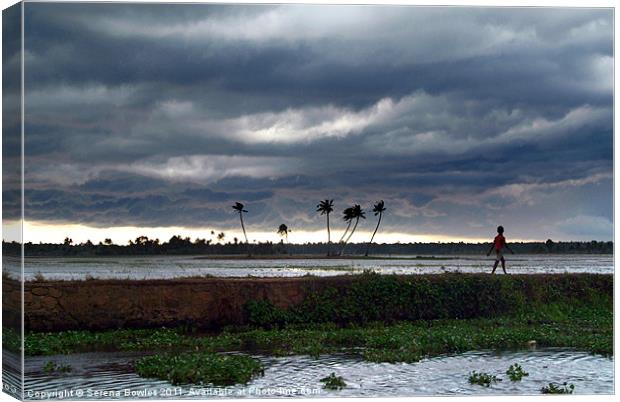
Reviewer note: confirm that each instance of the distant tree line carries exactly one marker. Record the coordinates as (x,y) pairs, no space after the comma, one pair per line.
(178,245)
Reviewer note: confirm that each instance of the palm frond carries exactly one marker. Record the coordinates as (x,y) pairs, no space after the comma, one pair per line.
(239,207)
(379,208)
(325,207)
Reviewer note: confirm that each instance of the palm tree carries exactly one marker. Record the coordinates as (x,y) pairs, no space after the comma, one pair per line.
(378,209)
(357,213)
(239,208)
(326,207)
(347,216)
(283,231)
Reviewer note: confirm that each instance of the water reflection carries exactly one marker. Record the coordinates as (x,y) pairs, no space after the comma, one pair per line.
(166,267)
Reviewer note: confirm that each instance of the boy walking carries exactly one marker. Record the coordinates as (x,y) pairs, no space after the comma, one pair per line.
(499,243)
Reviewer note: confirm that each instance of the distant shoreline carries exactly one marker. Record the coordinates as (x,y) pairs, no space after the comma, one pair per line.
(238,257)
(144,246)
(321,257)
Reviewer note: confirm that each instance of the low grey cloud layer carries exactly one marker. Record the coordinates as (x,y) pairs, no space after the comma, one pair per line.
(459,118)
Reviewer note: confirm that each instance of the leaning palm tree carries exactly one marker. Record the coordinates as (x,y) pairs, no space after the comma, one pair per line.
(347,216)
(326,207)
(357,213)
(239,208)
(378,209)
(283,231)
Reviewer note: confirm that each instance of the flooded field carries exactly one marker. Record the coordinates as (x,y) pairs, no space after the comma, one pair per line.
(110,375)
(162,267)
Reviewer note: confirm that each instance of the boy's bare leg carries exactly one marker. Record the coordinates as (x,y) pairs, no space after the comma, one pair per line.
(504,266)
(495,266)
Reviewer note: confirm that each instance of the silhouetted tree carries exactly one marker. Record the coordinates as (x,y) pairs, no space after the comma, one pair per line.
(141,241)
(356,214)
(326,207)
(347,216)
(68,241)
(239,208)
(107,242)
(283,231)
(549,243)
(378,209)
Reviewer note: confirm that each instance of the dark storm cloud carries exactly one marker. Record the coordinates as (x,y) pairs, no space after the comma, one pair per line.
(164,114)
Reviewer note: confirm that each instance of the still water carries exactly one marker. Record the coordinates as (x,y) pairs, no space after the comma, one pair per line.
(109,375)
(165,267)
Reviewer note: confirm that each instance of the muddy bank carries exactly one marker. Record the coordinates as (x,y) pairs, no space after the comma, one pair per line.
(216,302)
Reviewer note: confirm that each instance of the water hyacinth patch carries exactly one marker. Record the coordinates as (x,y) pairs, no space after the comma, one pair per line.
(202,368)
(51,343)
(333,382)
(52,367)
(483,379)
(552,388)
(515,372)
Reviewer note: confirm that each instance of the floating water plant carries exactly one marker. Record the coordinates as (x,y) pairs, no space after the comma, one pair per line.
(51,367)
(483,379)
(200,368)
(515,372)
(333,382)
(552,388)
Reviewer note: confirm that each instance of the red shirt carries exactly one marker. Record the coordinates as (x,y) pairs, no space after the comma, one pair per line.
(499,242)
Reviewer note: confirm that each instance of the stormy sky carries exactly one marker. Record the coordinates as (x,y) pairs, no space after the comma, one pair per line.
(459,118)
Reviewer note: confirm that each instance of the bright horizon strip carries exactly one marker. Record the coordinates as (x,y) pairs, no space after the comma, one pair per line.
(37,232)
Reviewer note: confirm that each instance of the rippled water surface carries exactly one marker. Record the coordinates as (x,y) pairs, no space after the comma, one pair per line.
(94,374)
(152,267)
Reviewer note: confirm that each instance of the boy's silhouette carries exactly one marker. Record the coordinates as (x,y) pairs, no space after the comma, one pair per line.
(499,243)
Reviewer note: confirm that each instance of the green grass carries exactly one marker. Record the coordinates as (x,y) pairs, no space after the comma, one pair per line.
(203,368)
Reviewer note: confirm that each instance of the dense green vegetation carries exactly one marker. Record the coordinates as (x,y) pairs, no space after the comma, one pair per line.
(199,368)
(585,327)
(391,298)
